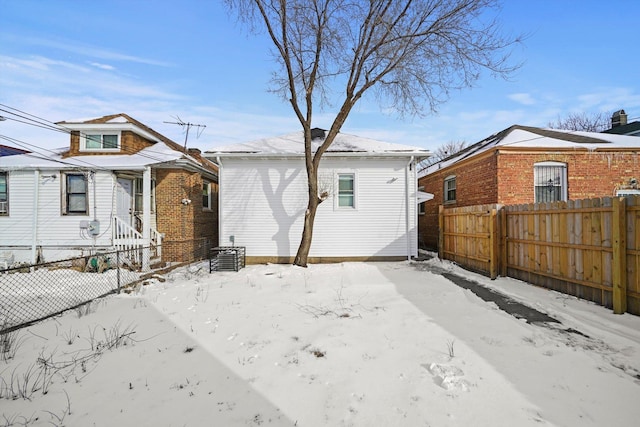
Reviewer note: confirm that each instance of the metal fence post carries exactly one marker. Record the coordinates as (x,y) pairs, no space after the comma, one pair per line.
(118,268)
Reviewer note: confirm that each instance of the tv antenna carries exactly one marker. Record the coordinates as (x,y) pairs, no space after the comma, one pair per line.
(188,126)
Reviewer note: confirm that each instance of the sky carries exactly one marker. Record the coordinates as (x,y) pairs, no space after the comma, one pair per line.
(191,61)
(344,344)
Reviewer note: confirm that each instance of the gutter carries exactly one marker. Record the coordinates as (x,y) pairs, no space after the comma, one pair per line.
(220,190)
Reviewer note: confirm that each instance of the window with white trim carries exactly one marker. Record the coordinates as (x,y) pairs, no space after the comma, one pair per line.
(450,189)
(421,206)
(101,142)
(206,195)
(346,190)
(138,199)
(550,182)
(75,199)
(4,194)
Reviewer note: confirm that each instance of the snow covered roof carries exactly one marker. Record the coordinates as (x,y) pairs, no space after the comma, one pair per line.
(154,155)
(516,137)
(163,152)
(292,145)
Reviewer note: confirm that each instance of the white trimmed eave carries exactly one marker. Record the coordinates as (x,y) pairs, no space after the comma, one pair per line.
(417,155)
(187,165)
(111,126)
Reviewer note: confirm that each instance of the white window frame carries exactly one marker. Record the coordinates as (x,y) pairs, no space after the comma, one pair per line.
(541,170)
(354,196)
(207,185)
(4,204)
(101,133)
(65,194)
(446,190)
(137,193)
(422,209)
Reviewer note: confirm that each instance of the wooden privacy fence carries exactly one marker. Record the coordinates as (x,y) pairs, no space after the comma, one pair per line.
(587,248)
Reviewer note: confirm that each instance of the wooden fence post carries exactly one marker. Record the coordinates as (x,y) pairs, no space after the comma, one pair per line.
(494,238)
(503,242)
(619,241)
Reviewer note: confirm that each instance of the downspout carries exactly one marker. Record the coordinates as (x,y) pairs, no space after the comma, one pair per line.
(94,236)
(406,195)
(34,227)
(219,201)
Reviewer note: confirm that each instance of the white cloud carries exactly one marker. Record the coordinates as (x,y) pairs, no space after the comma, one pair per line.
(522,98)
(102,66)
(93,51)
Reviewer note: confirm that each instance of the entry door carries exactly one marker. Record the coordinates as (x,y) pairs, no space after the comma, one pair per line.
(124,200)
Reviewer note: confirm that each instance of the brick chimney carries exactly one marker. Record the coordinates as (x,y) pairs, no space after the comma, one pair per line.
(619,118)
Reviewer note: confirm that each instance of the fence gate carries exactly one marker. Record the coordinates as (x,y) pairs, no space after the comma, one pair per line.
(469,237)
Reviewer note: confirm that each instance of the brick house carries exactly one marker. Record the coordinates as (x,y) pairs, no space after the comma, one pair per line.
(524,164)
(119,185)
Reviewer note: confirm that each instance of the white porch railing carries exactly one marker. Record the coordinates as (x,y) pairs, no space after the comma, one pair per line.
(127,238)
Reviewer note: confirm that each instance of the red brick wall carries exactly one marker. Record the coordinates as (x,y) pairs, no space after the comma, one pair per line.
(185,226)
(476,184)
(129,142)
(506,177)
(590,174)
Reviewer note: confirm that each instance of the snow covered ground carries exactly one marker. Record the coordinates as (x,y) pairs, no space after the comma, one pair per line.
(352,344)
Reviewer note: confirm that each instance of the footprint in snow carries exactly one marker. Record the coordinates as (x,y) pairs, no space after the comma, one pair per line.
(448,377)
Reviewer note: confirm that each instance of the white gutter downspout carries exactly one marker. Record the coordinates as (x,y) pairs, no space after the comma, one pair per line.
(219,201)
(34,236)
(406,195)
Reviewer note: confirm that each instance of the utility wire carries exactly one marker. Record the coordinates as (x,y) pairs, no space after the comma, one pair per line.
(46,124)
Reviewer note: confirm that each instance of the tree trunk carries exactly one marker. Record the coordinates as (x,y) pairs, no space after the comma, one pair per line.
(309,218)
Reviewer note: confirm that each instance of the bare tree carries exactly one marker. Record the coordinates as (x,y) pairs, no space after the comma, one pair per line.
(445,150)
(595,122)
(408,53)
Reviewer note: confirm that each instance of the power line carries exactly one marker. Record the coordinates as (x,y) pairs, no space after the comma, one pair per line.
(33,120)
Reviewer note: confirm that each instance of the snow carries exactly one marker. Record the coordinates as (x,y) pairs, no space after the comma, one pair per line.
(519,137)
(350,344)
(158,153)
(293,144)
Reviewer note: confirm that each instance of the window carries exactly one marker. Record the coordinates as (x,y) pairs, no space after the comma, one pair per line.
(98,141)
(75,195)
(138,195)
(450,189)
(421,206)
(550,180)
(4,194)
(206,195)
(346,190)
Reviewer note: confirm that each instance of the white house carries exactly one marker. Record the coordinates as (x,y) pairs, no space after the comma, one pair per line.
(119,185)
(370,210)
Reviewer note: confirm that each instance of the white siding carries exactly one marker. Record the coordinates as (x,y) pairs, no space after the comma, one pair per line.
(263,202)
(57,234)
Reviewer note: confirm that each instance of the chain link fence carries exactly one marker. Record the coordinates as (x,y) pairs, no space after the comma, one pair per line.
(29,293)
